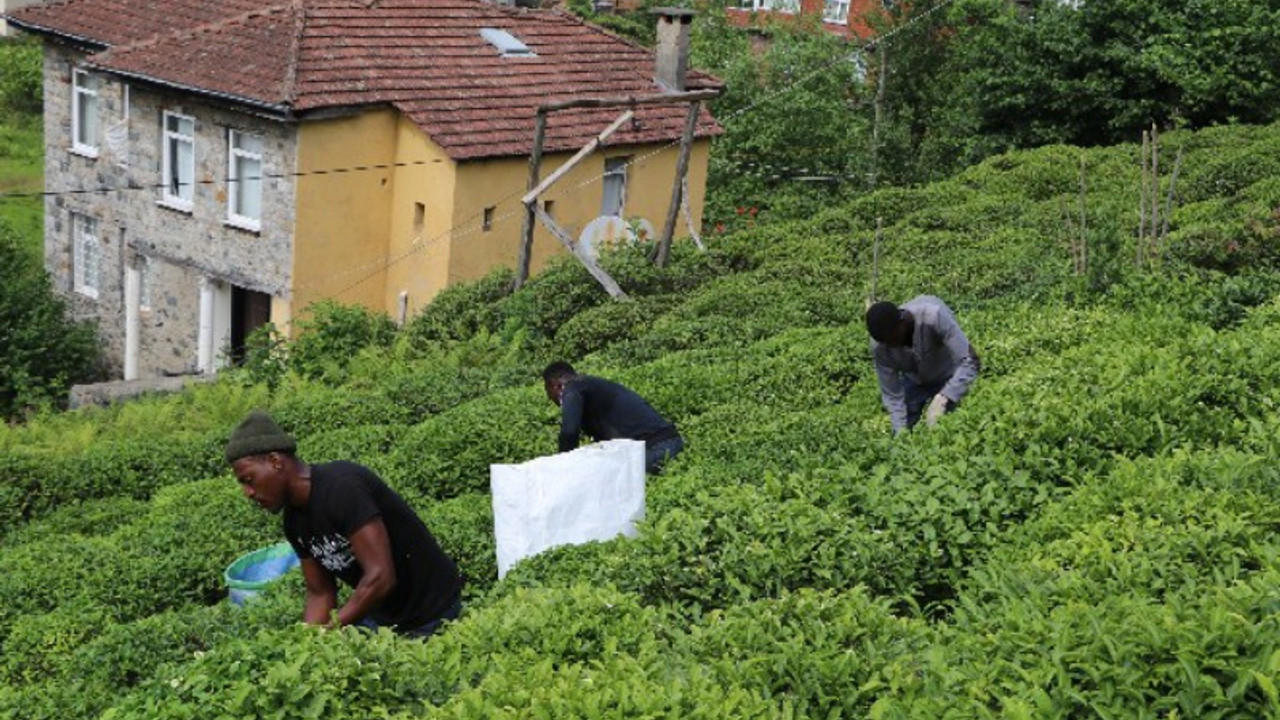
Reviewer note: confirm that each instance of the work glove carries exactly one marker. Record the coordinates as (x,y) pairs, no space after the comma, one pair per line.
(937,408)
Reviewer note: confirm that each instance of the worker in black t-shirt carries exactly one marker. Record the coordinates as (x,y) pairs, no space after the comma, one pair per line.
(606,410)
(346,524)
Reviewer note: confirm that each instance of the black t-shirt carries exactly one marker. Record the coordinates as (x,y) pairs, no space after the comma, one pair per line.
(345,496)
(606,410)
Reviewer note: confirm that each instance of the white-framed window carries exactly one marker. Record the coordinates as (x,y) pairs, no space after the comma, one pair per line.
(244,177)
(790,6)
(836,11)
(84,113)
(614,198)
(86,260)
(178,172)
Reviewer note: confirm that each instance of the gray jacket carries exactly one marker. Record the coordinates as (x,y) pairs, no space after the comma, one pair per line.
(939,354)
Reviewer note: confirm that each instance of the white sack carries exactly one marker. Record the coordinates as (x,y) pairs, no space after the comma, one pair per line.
(593,493)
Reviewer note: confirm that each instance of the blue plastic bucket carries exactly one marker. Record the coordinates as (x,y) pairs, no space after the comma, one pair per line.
(253,571)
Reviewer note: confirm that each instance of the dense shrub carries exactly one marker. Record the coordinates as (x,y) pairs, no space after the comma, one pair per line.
(21,76)
(363,444)
(732,545)
(88,517)
(332,335)
(606,324)
(42,350)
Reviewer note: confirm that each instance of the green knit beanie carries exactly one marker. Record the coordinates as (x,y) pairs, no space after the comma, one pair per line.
(258,434)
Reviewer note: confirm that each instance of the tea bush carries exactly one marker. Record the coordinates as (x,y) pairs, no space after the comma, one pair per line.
(576,625)
(1090,534)
(617,686)
(463,526)
(292,672)
(134,469)
(359,443)
(822,653)
(461,311)
(449,454)
(311,408)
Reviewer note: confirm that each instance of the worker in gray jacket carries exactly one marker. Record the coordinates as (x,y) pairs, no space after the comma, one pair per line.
(922,358)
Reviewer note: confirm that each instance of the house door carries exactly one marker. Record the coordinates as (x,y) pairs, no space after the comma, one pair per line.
(249,311)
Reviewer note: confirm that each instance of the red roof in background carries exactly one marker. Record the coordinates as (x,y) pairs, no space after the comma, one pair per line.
(424,57)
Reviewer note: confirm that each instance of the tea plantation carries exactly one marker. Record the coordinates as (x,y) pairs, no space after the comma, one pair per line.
(1094,534)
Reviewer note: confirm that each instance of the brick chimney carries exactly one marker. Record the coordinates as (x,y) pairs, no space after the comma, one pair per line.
(672,64)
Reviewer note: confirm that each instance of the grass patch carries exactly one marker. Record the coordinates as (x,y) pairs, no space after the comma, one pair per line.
(22,178)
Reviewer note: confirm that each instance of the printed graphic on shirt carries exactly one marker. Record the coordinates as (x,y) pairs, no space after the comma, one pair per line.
(332,551)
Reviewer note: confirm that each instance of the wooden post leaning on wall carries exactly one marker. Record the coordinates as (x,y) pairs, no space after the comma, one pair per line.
(530,201)
(677,188)
(526,230)
(606,281)
(537,186)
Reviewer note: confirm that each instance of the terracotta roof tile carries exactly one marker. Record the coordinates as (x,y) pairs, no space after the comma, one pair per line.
(424,57)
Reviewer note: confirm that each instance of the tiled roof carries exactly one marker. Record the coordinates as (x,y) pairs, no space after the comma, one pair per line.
(424,57)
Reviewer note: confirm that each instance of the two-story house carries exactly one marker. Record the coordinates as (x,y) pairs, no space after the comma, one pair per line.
(212,166)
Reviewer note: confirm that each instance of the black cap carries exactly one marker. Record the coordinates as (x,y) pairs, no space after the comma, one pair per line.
(882,318)
(258,434)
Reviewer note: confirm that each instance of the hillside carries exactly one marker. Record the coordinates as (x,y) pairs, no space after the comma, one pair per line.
(1093,534)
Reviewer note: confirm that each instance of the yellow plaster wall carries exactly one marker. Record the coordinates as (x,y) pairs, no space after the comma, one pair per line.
(419,256)
(356,239)
(576,196)
(344,218)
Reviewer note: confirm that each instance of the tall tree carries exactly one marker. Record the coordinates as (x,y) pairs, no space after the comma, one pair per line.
(1098,72)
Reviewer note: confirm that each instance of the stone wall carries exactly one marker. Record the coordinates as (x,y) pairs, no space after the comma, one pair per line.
(179,248)
(109,393)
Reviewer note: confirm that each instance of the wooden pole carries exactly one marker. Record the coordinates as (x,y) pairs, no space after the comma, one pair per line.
(526,231)
(1154,203)
(875,260)
(677,188)
(597,272)
(632,101)
(1084,237)
(1142,204)
(1168,203)
(573,161)
(881,82)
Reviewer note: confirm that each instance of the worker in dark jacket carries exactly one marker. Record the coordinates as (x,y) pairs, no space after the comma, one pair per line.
(922,357)
(606,410)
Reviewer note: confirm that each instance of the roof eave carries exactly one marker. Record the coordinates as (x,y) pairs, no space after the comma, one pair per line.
(26,26)
(278,111)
